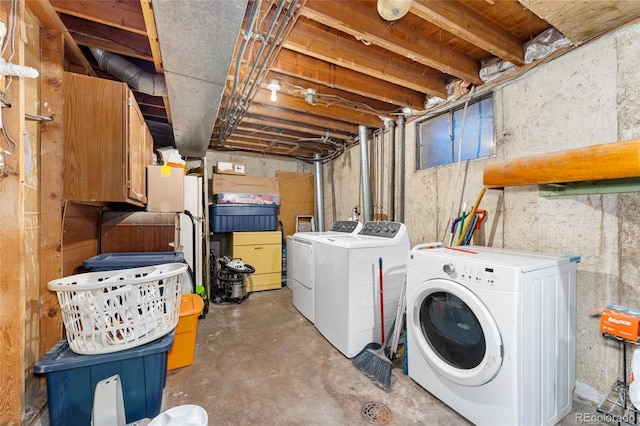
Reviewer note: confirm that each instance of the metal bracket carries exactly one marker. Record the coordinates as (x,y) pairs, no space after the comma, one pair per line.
(609,186)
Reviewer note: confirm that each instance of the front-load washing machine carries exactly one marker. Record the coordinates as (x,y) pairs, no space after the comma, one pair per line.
(347,282)
(491,332)
(300,263)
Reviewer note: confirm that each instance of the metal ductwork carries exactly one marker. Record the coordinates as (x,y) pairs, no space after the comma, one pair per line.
(391,126)
(134,76)
(364,173)
(319,184)
(401,168)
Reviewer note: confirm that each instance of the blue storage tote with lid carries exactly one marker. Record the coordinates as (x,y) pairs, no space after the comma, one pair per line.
(72,379)
(112,261)
(243,217)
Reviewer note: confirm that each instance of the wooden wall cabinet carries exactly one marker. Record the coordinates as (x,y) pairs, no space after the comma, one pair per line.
(107,144)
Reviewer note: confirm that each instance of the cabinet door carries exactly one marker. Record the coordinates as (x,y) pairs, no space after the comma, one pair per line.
(137,158)
(265,258)
(93,147)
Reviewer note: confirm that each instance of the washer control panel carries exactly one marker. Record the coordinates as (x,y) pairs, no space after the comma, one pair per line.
(381,229)
(347,226)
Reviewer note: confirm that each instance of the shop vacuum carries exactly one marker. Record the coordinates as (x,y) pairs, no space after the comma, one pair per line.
(229,285)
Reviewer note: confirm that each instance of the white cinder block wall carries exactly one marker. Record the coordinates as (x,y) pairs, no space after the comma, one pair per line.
(585,97)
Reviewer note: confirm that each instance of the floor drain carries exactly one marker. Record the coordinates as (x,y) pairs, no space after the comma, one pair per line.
(376,413)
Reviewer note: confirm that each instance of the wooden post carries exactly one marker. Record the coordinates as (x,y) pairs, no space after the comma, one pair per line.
(12,235)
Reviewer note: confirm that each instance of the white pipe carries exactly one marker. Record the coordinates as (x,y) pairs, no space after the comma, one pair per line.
(7,68)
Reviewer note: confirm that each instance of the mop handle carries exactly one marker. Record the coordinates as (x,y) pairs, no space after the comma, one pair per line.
(381,302)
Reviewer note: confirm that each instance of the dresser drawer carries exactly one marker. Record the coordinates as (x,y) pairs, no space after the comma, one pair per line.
(265,258)
(256,238)
(259,282)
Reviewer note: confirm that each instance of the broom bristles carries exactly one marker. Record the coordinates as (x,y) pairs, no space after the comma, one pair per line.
(375,365)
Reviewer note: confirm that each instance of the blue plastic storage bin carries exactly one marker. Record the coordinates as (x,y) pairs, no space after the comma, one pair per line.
(243,217)
(112,261)
(72,380)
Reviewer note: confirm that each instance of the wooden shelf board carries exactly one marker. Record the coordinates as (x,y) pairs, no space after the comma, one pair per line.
(594,163)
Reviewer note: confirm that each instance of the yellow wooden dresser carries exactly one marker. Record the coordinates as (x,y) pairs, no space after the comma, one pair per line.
(263,251)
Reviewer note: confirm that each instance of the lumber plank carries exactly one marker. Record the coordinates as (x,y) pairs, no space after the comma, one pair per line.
(597,162)
(13,234)
(52,188)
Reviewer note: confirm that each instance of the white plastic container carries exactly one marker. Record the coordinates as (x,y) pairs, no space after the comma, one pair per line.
(182,415)
(634,384)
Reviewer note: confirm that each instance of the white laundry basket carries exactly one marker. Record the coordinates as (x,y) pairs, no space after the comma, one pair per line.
(112,311)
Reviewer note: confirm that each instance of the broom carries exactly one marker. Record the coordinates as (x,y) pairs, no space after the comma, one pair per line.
(374,362)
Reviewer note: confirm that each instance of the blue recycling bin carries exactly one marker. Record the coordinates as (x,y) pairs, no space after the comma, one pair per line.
(72,380)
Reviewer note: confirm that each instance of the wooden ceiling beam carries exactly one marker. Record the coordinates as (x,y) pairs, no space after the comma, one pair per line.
(257,140)
(303,119)
(123,14)
(239,143)
(281,125)
(321,72)
(335,112)
(250,129)
(276,146)
(147,99)
(359,19)
(47,17)
(154,43)
(250,133)
(371,60)
(110,39)
(153,111)
(455,18)
(295,86)
(580,20)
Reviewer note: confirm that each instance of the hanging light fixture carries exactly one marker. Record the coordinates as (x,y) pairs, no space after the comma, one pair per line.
(393,9)
(274,86)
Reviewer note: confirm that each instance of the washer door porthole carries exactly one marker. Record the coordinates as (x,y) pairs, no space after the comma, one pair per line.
(456,333)
(452,330)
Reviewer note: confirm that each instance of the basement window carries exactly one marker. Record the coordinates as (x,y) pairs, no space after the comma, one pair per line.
(438,137)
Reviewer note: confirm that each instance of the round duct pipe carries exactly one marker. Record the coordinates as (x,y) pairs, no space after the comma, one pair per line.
(319,193)
(401,167)
(364,173)
(135,77)
(391,128)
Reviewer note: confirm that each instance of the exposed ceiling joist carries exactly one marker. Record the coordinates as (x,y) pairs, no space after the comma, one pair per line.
(347,52)
(364,23)
(361,67)
(455,18)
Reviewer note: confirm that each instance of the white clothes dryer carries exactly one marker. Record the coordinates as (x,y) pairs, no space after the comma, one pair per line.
(491,332)
(300,263)
(347,282)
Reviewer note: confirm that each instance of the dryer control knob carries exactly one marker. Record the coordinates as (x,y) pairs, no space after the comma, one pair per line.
(449,268)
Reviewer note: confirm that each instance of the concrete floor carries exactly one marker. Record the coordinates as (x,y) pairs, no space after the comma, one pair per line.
(262,363)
